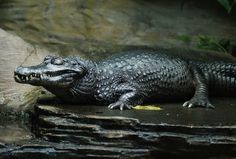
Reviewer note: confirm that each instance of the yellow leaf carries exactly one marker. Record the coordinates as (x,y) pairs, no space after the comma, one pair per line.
(147,107)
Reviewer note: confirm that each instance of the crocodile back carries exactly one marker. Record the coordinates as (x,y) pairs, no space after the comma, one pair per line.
(155,74)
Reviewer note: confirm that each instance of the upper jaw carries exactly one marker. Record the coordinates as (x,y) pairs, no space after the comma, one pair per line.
(26,78)
(44,78)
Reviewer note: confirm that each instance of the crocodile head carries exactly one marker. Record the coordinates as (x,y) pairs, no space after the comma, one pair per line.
(52,72)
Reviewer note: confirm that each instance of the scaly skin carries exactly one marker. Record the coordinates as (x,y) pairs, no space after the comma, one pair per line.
(131,78)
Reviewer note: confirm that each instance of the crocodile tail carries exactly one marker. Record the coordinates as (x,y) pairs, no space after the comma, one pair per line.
(221,77)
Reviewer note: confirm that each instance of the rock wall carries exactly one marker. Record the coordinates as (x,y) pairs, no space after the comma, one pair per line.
(14,52)
(84,25)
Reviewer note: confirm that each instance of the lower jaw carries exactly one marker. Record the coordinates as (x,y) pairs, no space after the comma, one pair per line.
(27,82)
(24,82)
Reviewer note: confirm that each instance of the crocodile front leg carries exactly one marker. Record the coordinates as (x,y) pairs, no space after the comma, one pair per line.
(129,97)
(200,98)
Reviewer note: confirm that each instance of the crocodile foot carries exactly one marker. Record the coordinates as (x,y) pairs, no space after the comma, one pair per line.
(120,105)
(198,102)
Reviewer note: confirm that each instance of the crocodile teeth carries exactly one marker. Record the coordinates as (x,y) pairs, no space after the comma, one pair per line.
(17,77)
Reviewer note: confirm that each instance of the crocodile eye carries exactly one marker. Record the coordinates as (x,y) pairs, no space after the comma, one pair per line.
(57,61)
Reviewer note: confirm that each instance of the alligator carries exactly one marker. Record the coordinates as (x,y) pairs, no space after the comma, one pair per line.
(132,78)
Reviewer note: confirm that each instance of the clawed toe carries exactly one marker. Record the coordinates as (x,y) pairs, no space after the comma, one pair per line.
(198,103)
(120,105)
(188,104)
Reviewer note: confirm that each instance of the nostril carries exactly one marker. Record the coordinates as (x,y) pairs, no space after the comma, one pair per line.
(57,61)
(17,69)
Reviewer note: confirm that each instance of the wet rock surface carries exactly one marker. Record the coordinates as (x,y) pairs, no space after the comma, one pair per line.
(67,131)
